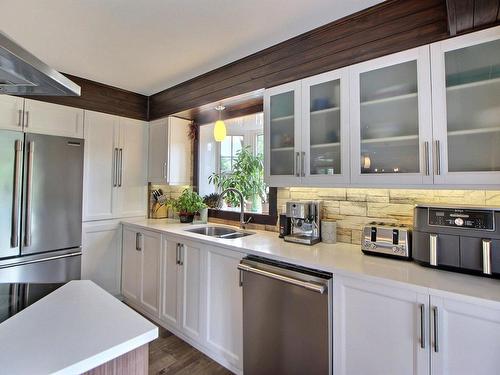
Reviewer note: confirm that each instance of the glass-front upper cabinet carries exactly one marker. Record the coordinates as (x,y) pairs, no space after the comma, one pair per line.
(325,129)
(390,120)
(466,108)
(282,135)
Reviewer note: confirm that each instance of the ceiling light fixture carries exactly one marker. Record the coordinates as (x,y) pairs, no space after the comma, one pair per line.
(220,127)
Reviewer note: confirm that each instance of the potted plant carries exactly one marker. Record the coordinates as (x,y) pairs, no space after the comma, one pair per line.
(187,205)
(213,201)
(247,176)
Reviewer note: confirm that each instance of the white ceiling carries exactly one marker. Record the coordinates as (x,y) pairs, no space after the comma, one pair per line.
(149,45)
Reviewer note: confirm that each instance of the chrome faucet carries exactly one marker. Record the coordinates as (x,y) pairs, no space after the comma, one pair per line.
(242,205)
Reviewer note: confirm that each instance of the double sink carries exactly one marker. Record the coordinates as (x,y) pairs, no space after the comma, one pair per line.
(219,232)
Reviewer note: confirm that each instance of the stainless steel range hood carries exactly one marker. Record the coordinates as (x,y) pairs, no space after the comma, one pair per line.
(21,73)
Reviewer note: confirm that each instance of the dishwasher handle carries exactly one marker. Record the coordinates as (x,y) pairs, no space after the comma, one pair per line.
(290,280)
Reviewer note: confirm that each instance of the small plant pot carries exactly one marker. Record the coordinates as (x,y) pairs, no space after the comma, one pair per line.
(186,217)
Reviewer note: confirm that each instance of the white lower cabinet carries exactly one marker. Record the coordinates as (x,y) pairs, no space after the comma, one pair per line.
(224,312)
(141,268)
(467,336)
(101,254)
(377,329)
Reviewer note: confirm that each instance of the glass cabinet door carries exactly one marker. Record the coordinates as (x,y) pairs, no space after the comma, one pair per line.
(282,134)
(325,128)
(467,108)
(391,119)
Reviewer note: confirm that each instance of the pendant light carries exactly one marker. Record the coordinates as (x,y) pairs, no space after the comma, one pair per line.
(220,127)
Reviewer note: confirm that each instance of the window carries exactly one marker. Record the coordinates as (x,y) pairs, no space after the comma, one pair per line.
(218,167)
(229,148)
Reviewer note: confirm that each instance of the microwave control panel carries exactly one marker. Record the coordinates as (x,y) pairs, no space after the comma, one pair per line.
(462,218)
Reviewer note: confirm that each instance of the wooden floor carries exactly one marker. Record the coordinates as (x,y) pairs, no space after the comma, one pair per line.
(168,354)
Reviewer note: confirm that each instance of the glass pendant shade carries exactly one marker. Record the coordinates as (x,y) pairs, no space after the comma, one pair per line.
(219,131)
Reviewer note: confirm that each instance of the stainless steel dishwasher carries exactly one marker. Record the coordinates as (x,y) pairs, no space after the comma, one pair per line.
(287,318)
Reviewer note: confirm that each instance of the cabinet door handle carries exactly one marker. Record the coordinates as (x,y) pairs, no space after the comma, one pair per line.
(26,118)
(438,157)
(177,253)
(436,328)
(181,254)
(138,240)
(115,167)
(427,158)
(165,171)
(20,118)
(120,168)
(297,164)
(302,164)
(422,326)
(486,257)
(241,277)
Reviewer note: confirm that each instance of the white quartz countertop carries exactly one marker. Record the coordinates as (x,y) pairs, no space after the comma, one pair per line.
(72,330)
(339,258)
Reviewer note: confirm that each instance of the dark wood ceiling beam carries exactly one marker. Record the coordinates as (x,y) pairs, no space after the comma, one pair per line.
(468,15)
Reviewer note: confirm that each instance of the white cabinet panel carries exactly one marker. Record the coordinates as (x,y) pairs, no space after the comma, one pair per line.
(150,271)
(191,276)
(170,283)
(377,329)
(224,315)
(11,112)
(132,168)
(131,265)
(52,119)
(390,119)
(101,136)
(468,337)
(101,254)
(170,151)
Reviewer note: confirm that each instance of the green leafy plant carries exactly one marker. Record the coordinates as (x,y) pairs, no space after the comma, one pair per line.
(189,202)
(247,176)
(213,200)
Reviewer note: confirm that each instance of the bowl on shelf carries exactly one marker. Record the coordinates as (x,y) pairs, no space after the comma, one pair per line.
(320,103)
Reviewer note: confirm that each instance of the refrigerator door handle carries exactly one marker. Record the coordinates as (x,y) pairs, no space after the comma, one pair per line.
(14,239)
(29,188)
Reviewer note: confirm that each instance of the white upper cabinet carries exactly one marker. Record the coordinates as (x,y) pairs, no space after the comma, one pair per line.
(282,135)
(390,119)
(11,112)
(465,336)
(325,128)
(170,151)
(52,119)
(466,108)
(115,167)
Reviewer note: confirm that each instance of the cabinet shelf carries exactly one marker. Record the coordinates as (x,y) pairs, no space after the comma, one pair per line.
(282,118)
(473,131)
(390,139)
(390,99)
(324,111)
(473,84)
(282,149)
(324,145)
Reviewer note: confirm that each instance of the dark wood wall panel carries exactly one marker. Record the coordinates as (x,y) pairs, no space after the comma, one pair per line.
(467,15)
(102,98)
(386,28)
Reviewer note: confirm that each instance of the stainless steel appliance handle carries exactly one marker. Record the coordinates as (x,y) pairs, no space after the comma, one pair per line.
(304,284)
(436,328)
(302,164)
(422,326)
(78,253)
(138,241)
(120,170)
(29,189)
(427,158)
(433,249)
(14,237)
(26,119)
(297,163)
(20,118)
(486,257)
(115,167)
(438,157)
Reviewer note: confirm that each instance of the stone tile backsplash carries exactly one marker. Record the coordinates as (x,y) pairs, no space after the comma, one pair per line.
(353,208)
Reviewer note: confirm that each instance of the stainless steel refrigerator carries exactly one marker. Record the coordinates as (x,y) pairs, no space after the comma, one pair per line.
(41,182)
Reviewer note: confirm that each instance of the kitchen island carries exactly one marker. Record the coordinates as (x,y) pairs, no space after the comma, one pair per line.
(78,328)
